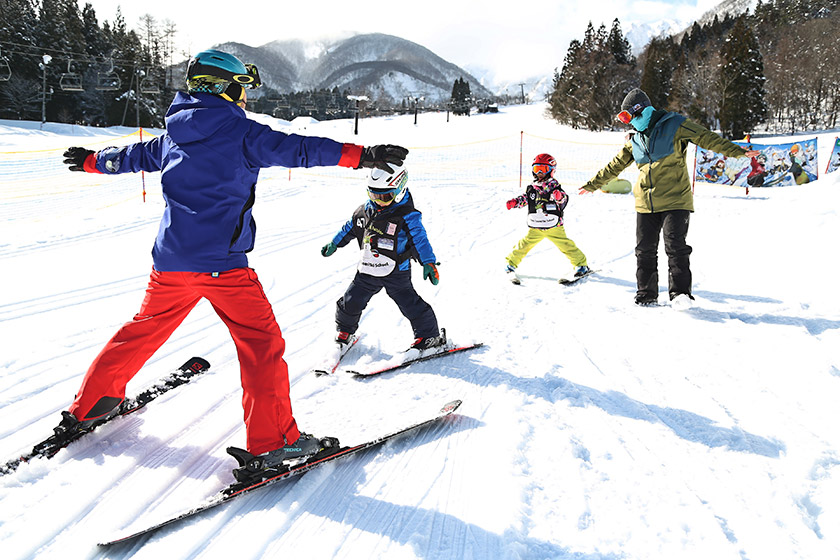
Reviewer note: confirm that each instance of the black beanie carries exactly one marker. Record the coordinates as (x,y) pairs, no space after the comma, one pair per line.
(635,101)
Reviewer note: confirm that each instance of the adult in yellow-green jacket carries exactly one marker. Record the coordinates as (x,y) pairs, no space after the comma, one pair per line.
(664,200)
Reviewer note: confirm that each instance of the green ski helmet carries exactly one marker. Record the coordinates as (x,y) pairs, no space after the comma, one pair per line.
(213,71)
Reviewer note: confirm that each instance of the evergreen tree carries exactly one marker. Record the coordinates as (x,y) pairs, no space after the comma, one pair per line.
(743,104)
(60,26)
(566,99)
(618,45)
(461,97)
(18,24)
(658,70)
(596,75)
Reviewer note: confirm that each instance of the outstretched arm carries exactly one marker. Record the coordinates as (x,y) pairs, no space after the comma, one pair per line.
(618,164)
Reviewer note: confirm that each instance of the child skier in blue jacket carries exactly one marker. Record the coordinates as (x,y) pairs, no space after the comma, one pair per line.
(390,233)
(210,159)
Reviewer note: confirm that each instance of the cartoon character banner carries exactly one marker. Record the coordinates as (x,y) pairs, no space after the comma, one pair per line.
(834,160)
(776,165)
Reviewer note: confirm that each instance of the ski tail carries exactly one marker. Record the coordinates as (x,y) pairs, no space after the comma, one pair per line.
(570,281)
(55,443)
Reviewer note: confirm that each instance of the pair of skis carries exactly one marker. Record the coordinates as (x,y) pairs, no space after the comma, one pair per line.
(193,367)
(517,280)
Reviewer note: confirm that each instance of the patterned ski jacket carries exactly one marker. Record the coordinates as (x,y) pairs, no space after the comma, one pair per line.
(544,210)
(210,159)
(395,232)
(659,153)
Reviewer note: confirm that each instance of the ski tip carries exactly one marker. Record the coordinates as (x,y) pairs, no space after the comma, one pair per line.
(196,364)
(450,407)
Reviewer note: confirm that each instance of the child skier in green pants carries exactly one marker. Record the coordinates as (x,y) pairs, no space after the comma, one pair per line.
(545,200)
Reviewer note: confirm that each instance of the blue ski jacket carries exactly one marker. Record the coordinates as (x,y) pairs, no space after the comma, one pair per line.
(210,158)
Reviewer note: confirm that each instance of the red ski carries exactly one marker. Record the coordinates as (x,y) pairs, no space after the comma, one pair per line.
(425,355)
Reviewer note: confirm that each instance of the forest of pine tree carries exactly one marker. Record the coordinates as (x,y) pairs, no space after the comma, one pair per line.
(93,70)
(776,69)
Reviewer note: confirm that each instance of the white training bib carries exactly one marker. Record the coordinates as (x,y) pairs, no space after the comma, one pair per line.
(374,263)
(540,220)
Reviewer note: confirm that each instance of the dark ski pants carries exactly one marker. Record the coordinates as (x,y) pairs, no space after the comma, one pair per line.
(238,298)
(398,286)
(674,227)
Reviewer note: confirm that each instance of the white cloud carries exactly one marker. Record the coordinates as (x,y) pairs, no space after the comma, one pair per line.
(512,38)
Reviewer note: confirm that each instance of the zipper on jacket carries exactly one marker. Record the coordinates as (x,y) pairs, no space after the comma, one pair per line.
(650,174)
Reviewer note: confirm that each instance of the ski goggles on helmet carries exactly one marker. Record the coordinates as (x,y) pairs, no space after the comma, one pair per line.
(542,168)
(627,116)
(199,73)
(383,197)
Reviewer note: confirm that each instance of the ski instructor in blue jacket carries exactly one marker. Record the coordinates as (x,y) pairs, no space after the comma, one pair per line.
(210,159)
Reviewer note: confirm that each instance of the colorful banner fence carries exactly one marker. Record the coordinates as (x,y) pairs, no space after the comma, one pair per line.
(834,159)
(776,165)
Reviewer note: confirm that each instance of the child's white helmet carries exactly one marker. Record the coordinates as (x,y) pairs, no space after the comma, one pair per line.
(386,187)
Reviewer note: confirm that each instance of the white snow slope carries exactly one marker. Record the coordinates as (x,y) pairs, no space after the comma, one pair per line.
(590,429)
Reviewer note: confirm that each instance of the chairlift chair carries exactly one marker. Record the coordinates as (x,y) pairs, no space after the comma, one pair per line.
(5,69)
(147,85)
(70,81)
(108,81)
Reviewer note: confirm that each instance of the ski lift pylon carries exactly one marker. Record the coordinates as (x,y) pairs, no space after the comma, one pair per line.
(5,69)
(70,81)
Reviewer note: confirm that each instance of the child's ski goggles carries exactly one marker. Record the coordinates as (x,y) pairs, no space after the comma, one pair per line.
(543,168)
(383,197)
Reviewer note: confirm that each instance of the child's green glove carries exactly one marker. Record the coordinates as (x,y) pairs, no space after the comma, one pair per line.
(328,249)
(430,271)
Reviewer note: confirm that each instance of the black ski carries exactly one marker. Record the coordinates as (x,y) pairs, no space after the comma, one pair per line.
(239,488)
(55,443)
(438,352)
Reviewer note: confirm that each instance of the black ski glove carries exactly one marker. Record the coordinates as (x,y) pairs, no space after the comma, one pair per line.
(381,155)
(75,157)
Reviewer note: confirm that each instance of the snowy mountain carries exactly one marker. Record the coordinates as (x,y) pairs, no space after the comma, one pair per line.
(377,65)
(727,7)
(640,34)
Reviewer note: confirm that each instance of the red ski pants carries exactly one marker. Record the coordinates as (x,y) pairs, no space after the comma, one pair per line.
(238,298)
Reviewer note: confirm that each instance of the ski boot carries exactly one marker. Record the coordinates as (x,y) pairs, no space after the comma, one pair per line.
(424,343)
(510,272)
(342,337)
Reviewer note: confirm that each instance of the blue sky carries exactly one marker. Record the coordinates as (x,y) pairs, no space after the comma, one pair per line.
(516,40)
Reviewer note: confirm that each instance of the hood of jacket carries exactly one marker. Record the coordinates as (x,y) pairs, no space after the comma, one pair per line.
(192,118)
